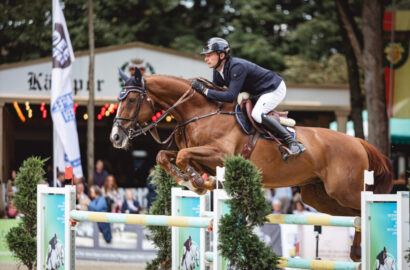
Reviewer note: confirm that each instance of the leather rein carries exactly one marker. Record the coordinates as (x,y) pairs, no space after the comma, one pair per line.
(132,133)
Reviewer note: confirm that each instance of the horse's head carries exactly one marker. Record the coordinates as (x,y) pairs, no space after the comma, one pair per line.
(134,109)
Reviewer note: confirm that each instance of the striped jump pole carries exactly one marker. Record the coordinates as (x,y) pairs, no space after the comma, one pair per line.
(151,220)
(306,263)
(318,264)
(319,220)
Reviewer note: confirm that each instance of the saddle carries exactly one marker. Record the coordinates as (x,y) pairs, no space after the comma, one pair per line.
(256,130)
(246,108)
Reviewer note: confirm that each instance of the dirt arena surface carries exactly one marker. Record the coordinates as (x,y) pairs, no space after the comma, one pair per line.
(85,265)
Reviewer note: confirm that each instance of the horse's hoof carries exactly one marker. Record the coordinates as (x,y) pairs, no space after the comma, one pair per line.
(201,191)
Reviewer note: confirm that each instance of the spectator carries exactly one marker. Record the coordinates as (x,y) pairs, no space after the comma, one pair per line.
(99,204)
(299,208)
(151,187)
(111,191)
(284,195)
(81,180)
(276,207)
(100,174)
(82,199)
(11,187)
(11,210)
(60,179)
(49,175)
(130,206)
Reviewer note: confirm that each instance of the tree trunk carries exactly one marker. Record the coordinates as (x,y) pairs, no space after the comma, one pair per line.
(373,74)
(356,98)
(90,106)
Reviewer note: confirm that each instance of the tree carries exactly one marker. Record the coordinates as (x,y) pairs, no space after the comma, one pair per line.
(371,61)
(356,97)
(22,239)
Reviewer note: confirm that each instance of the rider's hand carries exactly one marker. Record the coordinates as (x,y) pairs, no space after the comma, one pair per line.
(199,87)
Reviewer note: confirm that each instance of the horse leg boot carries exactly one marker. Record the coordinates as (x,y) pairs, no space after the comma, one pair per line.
(275,127)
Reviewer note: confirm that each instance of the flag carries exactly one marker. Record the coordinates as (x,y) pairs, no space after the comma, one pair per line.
(66,146)
(396,36)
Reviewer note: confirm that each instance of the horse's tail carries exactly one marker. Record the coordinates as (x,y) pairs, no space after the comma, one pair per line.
(382,167)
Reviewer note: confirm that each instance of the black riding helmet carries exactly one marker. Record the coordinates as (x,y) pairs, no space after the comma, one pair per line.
(218,45)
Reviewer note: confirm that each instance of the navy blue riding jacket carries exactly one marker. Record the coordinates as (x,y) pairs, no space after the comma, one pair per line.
(243,76)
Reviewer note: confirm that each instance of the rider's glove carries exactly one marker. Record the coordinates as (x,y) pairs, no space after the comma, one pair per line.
(199,87)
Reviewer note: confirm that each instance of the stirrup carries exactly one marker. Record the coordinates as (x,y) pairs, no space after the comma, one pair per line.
(299,145)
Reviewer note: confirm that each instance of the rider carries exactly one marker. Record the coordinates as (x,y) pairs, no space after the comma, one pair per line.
(240,75)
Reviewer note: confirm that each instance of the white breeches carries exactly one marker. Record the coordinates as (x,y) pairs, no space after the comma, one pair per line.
(267,102)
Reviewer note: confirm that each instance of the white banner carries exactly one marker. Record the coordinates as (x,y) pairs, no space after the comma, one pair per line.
(62,111)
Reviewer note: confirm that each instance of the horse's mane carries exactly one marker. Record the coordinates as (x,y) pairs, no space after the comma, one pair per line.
(188,81)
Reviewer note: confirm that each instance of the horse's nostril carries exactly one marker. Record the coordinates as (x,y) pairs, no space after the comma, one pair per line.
(116,137)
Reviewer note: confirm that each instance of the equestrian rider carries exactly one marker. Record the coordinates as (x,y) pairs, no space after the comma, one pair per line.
(240,75)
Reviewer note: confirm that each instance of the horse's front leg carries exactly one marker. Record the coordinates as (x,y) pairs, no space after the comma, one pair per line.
(190,160)
(166,159)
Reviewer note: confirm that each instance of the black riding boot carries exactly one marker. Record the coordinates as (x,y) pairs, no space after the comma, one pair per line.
(276,128)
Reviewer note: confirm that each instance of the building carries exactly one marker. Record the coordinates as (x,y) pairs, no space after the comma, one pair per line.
(27,85)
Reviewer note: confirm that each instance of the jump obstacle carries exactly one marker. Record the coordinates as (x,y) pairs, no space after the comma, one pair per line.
(208,219)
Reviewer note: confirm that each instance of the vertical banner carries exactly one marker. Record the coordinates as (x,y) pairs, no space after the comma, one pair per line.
(396,35)
(188,244)
(189,238)
(62,104)
(383,235)
(55,238)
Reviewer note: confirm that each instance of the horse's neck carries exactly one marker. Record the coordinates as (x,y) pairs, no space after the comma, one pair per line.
(166,91)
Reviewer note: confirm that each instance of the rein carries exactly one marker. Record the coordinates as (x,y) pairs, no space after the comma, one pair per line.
(218,111)
(132,133)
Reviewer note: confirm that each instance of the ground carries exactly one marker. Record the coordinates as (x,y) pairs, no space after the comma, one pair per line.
(86,265)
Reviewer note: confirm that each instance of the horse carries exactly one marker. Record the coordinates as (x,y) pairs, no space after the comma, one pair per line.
(330,172)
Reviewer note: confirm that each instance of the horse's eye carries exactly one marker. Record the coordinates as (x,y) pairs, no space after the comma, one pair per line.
(132,100)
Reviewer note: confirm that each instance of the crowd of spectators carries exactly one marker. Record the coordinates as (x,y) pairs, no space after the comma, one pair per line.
(103,196)
(287,200)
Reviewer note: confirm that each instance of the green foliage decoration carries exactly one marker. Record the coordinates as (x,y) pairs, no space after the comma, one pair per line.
(21,240)
(248,208)
(161,235)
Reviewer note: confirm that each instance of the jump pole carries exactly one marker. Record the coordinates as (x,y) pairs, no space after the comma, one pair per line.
(138,219)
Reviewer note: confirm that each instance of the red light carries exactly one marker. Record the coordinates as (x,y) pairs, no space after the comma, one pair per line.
(99,117)
(103,110)
(106,106)
(154,118)
(115,106)
(43,104)
(158,114)
(162,111)
(44,114)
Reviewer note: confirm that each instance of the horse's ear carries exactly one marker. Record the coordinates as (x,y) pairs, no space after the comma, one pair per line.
(138,76)
(123,76)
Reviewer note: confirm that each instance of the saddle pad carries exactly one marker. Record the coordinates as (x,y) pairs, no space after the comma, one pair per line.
(249,130)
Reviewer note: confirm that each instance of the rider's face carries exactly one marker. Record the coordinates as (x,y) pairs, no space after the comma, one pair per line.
(212,59)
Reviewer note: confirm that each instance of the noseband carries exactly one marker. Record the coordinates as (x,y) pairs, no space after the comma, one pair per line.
(135,127)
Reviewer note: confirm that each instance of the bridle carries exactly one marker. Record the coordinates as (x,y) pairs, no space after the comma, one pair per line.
(136,129)
(142,94)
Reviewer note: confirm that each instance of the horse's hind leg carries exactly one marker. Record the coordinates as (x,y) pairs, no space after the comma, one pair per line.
(315,195)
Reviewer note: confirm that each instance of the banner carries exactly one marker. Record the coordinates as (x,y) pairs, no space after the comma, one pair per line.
(396,34)
(66,146)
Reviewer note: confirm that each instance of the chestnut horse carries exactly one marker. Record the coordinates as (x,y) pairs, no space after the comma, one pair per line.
(329,173)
